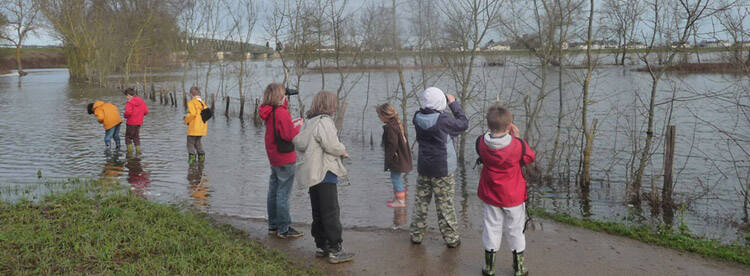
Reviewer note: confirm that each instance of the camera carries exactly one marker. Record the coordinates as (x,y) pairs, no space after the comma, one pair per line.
(291,92)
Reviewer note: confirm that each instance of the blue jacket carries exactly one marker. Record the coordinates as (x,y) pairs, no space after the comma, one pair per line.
(437,156)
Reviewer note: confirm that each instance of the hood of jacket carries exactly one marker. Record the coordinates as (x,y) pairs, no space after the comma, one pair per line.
(265,111)
(306,135)
(495,143)
(426,118)
(97,104)
(137,102)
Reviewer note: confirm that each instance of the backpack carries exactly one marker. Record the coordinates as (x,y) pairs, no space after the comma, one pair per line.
(206,113)
(283,146)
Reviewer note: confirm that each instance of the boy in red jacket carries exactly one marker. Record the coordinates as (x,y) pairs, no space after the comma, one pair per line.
(135,110)
(503,188)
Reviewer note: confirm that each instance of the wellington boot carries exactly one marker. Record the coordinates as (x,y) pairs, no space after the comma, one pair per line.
(400,200)
(518,264)
(201,157)
(191,159)
(489,263)
(138,150)
(129,149)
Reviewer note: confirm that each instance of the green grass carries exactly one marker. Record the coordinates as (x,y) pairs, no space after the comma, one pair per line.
(663,236)
(85,232)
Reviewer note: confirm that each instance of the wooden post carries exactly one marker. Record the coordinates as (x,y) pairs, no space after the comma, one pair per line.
(172,99)
(184,99)
(242,105)
(152,91)
(213,101)
(666,191)
(256,118)
(226,110)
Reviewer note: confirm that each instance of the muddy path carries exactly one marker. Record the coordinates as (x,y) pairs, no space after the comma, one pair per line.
(552,249)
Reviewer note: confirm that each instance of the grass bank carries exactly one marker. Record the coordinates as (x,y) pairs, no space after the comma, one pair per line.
(32,58)
(80,232)
(663,236)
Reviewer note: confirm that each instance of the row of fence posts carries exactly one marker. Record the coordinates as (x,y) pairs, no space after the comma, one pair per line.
(170,98)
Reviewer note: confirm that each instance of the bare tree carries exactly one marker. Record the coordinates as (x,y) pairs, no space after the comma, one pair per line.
(467,24)
(665,29)
(620,18)
(22,18)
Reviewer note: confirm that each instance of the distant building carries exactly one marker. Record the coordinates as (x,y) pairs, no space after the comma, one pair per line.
(742,44)
(636,45)
(683,45)
(499,46)
(714,43)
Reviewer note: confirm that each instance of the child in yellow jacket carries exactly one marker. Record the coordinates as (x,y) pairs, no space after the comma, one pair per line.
(197,128)
(108,115)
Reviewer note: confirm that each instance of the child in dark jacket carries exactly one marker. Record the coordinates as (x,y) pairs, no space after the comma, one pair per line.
(502,188)
(397,153)
(135,110)
(280,130)
(437,161)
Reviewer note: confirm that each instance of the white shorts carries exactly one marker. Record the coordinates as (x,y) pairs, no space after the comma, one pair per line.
(508,222)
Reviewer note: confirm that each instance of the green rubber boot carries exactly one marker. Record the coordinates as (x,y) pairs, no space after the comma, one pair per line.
(489,263)
(201,157)
(138,150)
(518,265)
(129,149)
(191,159)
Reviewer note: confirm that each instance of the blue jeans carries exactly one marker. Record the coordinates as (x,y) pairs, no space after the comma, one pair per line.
(398,184)
(279,189)
(113,132)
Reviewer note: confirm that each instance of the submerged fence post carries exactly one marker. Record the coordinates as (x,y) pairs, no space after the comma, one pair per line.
(256,118)
(669,142)
(242,105)
(226,110)
(184,99)
(213,101)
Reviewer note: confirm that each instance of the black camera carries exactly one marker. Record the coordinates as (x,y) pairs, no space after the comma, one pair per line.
(292,92)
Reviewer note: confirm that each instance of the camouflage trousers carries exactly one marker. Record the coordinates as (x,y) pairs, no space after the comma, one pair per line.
(443,189)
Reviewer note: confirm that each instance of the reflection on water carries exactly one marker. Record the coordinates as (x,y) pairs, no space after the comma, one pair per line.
(197,184)
(138,178)
(399,217)
(113,167)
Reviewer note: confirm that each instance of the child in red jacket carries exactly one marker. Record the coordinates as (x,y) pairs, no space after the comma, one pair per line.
(503,188)
(135,110)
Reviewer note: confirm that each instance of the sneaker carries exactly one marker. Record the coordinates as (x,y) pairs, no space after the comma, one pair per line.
(340,257)
(320,253)
(397,204)
(453,244)
(290,233)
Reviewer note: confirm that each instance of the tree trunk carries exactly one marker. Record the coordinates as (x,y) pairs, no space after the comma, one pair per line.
(635,189)
(18,61)
(588,132)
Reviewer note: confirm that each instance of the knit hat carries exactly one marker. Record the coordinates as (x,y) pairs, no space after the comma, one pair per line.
(434,98)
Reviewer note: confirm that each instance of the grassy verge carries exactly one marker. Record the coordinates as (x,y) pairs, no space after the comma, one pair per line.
(662,236)
(79,232)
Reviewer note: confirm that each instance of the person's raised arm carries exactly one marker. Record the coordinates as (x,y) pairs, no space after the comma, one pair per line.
(458,123)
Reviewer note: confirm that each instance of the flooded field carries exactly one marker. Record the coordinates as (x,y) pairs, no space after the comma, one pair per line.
(45,130)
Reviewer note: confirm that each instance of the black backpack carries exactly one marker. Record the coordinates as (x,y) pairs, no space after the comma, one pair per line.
(206,113)
(283,146)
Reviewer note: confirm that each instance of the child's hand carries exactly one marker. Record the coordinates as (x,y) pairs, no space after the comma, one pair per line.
(450,98)
(345,155)
(298,122)
(514,130)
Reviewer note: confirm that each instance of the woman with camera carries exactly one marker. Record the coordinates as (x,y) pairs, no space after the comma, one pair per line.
(280,130)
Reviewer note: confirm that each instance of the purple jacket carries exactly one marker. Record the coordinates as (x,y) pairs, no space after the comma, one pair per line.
(437,156)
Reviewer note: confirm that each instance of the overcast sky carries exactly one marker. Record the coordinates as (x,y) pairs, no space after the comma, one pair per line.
(44,37)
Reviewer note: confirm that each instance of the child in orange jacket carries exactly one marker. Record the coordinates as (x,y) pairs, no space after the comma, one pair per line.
(108,115)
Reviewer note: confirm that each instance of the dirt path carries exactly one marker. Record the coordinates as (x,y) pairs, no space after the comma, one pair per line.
(552,249)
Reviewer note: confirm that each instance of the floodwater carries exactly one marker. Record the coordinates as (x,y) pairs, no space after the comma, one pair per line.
(45,129)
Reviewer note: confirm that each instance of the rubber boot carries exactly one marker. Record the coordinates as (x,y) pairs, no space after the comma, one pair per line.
(129,149)
(489,263)
(400,200)
(201,157)
(518,265)
(191,159)
(138,150)
(117,145)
